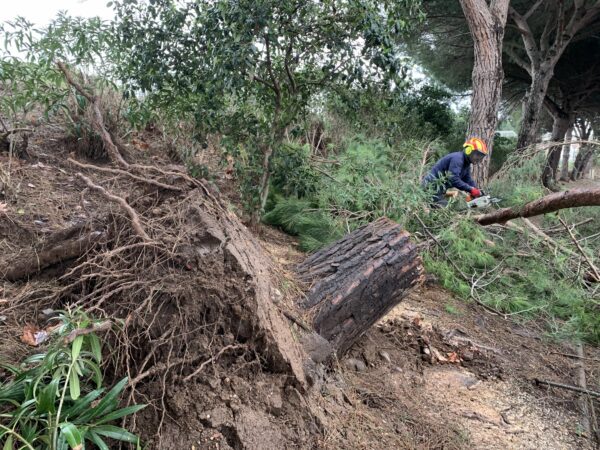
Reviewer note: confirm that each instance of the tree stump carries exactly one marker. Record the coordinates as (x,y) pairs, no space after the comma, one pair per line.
(358,279)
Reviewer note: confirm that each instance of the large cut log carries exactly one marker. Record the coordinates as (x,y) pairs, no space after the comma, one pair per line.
(358,279)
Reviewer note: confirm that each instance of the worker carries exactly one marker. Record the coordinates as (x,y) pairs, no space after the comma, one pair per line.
(454,171)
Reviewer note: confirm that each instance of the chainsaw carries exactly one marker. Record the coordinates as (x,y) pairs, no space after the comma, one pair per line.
(483,201)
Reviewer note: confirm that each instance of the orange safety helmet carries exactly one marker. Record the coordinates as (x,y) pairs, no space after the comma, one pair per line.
(475,145)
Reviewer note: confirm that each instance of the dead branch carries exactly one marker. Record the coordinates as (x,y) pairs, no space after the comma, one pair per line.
(570,355)
(125,173)
(567,387)
(95,328)
(584,404)
(584,254)
(209,360)
(98,122)
(572,198)
(133,216)
(16,130)
(575,225)
(34,261)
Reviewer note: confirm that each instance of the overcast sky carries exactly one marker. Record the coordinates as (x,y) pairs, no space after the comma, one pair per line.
(41,12)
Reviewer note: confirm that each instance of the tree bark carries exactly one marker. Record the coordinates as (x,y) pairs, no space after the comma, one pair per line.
(357,280)
(61,246)
(532,107)
(562,123)
(560,200)
(543,52)
(566,154)
(486,24)
(585,153)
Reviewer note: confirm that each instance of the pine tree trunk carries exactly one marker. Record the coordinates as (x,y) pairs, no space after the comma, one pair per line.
(532,107)
(585,152)
(566,154)
(561,125)
(487,24)
(358,279)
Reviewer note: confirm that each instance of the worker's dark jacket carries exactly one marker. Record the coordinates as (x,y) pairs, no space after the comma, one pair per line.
(458,168)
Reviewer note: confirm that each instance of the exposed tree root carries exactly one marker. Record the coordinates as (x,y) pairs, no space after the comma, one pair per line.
(135,219)
(126,174)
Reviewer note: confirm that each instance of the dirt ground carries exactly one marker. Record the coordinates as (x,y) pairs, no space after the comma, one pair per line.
(438,372)
(435,373)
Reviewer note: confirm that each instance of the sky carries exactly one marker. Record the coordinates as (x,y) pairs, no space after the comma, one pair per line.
(41,12)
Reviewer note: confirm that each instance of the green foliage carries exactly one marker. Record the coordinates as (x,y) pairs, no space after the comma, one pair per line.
(249,69)
(393,115)
(299,218)
(514,274)
(56,399)
(293,175)
(365,183)
(502,149)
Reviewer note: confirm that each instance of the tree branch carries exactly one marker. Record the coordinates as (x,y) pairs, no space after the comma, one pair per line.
(527,35)
(560,200)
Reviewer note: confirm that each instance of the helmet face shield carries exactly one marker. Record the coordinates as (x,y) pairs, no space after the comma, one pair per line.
(475,149)
(476,157)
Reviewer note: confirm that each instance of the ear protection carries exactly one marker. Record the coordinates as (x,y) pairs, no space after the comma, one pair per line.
(468,149)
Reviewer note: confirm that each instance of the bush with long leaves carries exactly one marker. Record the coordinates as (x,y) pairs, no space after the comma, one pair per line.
(56,400)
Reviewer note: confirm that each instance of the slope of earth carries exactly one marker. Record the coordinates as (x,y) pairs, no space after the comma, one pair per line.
(437,372)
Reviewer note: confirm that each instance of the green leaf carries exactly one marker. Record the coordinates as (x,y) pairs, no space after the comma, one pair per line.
(74,388)
(121,413)
(107,404)
(46,402)
(76,348)
(95,346)
(82,404)
(8,445)
(72,435)
(93,437)
(117,433)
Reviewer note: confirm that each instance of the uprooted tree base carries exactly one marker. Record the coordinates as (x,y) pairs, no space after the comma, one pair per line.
(196,304)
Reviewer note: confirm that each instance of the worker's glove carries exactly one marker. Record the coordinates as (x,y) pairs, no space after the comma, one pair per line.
(475,192)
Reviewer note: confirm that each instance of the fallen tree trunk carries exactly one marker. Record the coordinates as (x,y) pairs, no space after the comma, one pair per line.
(572,198)
(358,279)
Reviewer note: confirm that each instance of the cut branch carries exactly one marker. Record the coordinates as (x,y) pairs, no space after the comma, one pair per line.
(560,200)
(133,216)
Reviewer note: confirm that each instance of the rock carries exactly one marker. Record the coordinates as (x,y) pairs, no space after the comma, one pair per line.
(467,355)
(318,348)
(294,397)
(355,364)
(386,356)
(254,430)
(276,296)
(218,417)
(275,403)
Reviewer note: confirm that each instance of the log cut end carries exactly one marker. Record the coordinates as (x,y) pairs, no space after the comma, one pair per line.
(358,279)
